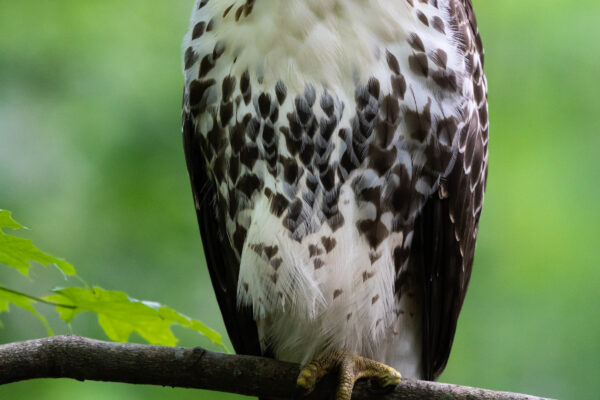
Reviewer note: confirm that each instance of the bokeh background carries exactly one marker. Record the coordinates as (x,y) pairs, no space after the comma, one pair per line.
(91,160)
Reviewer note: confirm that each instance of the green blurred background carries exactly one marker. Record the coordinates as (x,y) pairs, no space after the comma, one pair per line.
(91,160)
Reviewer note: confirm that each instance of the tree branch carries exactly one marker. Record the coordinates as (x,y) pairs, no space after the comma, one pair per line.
(88,359)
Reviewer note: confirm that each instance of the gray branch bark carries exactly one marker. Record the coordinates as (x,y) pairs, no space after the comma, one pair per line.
(88,359)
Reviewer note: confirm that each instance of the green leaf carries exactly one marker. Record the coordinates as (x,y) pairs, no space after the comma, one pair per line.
(119,315)
(17,252)
(8,297)
(7,221)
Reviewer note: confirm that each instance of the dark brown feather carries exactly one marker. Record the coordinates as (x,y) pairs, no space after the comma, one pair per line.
(468,4)
(222,262)
(445,270)
(445,232)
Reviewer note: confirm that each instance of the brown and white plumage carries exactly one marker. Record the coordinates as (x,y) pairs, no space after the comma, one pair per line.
(338,157)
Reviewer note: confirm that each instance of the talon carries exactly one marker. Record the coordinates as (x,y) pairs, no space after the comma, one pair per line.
(309,375)
(350,367)
(392,379)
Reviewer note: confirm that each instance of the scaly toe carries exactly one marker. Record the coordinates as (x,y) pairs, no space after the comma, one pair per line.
(351,367)
(310,375)
(383,374)
(392,378)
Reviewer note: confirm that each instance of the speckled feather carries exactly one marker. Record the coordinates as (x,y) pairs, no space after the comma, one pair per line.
(338,156)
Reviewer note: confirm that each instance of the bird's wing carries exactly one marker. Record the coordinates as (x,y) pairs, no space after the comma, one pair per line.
(222,262)
(446,231)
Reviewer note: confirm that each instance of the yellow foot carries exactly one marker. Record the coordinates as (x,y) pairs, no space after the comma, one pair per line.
(350,367)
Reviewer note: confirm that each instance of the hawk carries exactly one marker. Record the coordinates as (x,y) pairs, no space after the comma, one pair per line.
(338,156)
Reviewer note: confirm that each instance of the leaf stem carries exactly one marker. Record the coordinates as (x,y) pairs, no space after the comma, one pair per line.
(37,298)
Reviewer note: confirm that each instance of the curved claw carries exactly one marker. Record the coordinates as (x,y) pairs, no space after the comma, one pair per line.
(351,367)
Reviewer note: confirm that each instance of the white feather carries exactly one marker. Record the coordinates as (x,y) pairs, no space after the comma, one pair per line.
(332,45)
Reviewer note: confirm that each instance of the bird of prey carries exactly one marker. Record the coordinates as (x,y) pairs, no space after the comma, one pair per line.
(338,156)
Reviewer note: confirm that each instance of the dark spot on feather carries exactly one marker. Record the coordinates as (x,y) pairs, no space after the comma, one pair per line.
(381,159)
(198,30)
(373,87)
(418,64)
(249,155)
(225,113)
(398,85)
(368,275)
(418,123)
(318,263)
(190,57)
(327,178)
(278,204)
(264,104)
(302,109)
(392,62)
(238,13)
(276,263)
(290,170)
(374,257)
(218,50)
(313,250)
(248,184)
(307,152)
(446,80)
(373,230)
(274,115)
(438,24)
(328,243)
(228,87)
(440,58)
(415,42)
(309,95)
(294,210)
(197,90)
(268,135)
(206,65)
(327,103)
(245,86)
(227,10)
(248,7)
(280,91)
(238,136)
(270,251)
(422,17)
(336,221)
(370,195)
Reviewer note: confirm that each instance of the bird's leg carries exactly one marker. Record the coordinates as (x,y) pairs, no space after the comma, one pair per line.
(350,367)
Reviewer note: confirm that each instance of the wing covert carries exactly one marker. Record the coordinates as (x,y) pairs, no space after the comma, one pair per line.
(222,262)
(446,231)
